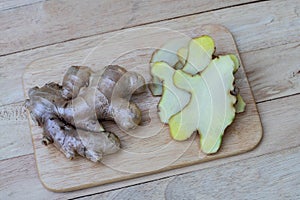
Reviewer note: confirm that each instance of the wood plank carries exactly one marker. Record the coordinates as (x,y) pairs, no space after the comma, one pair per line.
(12,89)
(55,21)
(261,22)
(14,131)
(273,72)
(19,179)
(273,176)
(143,144)
(259,35)
(254,62)
(11,4)
(279,118)
(27,181)
(268,174)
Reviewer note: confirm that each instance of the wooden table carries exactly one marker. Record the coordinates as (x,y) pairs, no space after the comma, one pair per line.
(268,38)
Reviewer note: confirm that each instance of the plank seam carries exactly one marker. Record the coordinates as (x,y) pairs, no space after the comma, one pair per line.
(277,98)
(270,153)
(16,7)
(18,102)
(133,26)
(276,45)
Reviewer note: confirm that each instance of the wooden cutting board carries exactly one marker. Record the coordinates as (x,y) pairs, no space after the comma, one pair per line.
(148,149)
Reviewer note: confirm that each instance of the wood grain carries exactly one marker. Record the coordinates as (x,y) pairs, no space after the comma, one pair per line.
(14,131)
(272,63)
(21,178)
(13,4)
(276,176)
(54,21)
(287,78)
(12,146)
(275,57)
(258,34)
(145,143)
(263,26)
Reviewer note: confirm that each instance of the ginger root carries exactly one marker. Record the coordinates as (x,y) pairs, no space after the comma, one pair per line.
(70,114)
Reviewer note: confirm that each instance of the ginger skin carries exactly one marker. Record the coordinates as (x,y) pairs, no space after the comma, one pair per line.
(70,114)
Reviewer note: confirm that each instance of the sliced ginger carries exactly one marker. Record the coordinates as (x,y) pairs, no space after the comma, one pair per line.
(173,99)
(182,54)
(190,56)
(168,54)
(198,92)
(211,107)
(200,51)
(240,104)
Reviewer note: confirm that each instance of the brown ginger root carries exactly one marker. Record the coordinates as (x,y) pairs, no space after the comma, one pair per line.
(75,78)
(69,113)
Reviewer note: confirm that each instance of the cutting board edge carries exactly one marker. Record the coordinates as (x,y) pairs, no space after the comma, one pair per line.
(174,170)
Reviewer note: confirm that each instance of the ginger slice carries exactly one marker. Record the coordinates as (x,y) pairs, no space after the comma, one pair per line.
(168,54)
(211,107)
(173,99)
(200,51)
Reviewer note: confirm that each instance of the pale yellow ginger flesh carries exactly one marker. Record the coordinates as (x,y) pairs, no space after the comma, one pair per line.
(168,54)
(211,107)
(199,54)
(190,56)
(173,99)
(182,55)
(240,105)
(198,92)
